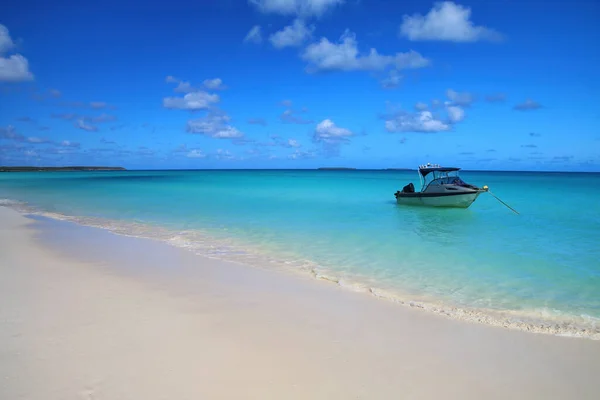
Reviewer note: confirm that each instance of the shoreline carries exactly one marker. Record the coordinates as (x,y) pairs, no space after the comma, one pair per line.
(129,318)
(522,320)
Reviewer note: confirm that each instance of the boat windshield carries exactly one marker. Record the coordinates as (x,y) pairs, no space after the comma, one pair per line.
(442,178)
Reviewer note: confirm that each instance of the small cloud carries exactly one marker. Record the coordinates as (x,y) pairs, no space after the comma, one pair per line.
(184,87)
(344,56)
(257,121)
(286,103)
(392,81)
(463,99)
(10,133)
(214,125)
(254,35)
(562,158)
(101,118)
(81,124)
(398,120)
(26,119)
(288,116)
(214,84)
(292,35)
(43,128)
(195,153)
(14,68)
(37,140)
(490,150)
(302,8)
(533,134)
(527,105)
(191,101)
(68,117)
(514,159)
(106,141)
(98,105)
(171,79)
(55,93)
(221,154)
(495,98)
(67,143)
(455,114)
(446,21)
(302,154)
(328,132)
(293,143)
(466,153)
(529,146)
(421,106)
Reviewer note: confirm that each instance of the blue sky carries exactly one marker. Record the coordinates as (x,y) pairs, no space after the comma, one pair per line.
(301,83)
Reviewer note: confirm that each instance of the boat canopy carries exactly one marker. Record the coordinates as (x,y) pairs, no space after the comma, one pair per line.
(424,170)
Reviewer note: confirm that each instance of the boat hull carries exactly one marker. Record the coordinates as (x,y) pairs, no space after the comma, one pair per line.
(458,200)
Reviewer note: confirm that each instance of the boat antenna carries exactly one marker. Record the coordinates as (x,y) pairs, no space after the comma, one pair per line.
(497,198)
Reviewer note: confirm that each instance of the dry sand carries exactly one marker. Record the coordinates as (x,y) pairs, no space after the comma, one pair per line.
(86,314)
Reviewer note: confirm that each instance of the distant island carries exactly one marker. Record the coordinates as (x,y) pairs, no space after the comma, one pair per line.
(47,169)
(335,168)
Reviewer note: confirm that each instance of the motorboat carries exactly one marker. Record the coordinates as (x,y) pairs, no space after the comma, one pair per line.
(440,187)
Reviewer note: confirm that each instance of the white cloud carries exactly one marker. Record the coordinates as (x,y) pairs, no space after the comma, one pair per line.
(221,154)
(97,104)
(67,143)
(286,103)
(455,114)
(528,105)
(295,7)
(301,154)
(191,101)
(289,117)
(184,87)
(463,99)
(214,125)
(257,121)
(86,127)
(421,106)
(213,84)
(445,21)
(15,69)
(392,81)
(254,35)
(37,140)
(420,121)
(292,35)
(6,42)
(195,153)
(328,132)
(171,79)
(344,56)
(293,143)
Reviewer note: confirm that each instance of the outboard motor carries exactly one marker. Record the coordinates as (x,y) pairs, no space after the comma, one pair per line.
(410,188)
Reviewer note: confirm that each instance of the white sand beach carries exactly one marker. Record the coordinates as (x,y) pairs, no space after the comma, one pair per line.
(87,314)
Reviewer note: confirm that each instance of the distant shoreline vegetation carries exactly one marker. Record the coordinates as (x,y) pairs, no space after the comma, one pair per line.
(48,169)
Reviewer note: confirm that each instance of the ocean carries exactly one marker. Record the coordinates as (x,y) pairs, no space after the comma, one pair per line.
(539,270)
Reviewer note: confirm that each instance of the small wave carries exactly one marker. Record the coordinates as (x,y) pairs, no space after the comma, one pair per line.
(538,321)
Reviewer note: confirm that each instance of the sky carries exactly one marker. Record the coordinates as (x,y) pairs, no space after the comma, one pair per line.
(478,84)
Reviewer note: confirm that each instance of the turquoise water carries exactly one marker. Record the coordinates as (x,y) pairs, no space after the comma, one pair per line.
(345,226)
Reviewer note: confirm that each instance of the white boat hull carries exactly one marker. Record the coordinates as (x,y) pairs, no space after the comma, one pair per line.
(462,200)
